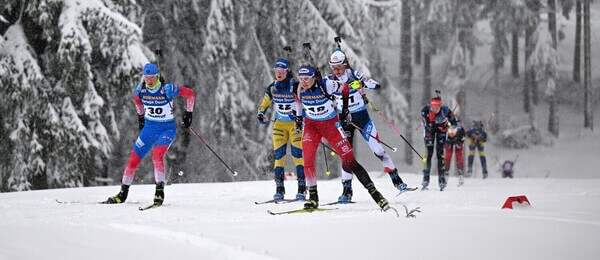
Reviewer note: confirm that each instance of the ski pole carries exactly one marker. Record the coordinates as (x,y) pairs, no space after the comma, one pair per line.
(333,152)
(202,140)
(394,149)
(326,163)
(393,127)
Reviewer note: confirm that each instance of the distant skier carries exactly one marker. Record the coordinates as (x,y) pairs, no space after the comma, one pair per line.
(153,101)
(476,138)
(436,118)
(281,93)
(508,169)
(322,121)
(455,140)
(360,117)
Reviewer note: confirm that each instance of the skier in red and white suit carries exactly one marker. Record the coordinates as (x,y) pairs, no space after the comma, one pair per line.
(321,121)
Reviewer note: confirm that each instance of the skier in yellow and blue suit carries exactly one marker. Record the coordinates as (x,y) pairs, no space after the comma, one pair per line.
(281,93)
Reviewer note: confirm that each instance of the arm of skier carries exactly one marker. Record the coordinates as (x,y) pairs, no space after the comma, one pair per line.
(365,82)
(189,95)
(139,107)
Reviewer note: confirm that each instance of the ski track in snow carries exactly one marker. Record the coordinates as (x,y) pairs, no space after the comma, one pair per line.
(219,250)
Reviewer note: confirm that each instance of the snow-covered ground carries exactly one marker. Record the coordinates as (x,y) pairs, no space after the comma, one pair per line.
(221,221)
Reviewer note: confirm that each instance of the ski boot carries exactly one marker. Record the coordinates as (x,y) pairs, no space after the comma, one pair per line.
(469,173)
(159,194)
(119,198)
(377,197)
(279,192)
(461,177)
(425,182)
(346,196)
(442,185)
(301,195)
(485,173)
(313,201)
(397,181)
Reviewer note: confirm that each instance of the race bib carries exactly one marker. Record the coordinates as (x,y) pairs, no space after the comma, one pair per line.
(158,113)
(355,101)
(283,108)
(319,111)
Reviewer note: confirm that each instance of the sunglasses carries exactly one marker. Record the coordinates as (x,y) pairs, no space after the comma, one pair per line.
(280,70)
(338,67)
(151,76)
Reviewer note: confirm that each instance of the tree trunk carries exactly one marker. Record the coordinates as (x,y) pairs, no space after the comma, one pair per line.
(418,48)
(552,21)
(527,78)
(515,54)
(534,6)
(553,106)
(406,70)
(426,77)
(588,115)
(577,53)
(496,123)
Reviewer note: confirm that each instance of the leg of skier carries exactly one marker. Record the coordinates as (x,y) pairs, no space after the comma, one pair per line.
(480,146)
(428,155)
(386,160)
(280,140)
(439,150)
(158,154)
(349,163)
(471,145)
(296,148)
(311,138)
(347,193)
(460,163)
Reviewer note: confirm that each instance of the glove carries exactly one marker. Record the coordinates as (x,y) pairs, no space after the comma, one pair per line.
(299,120)
(346,118)
(187,119)
(356,84)
(429,127)
(261,118)
(141,121)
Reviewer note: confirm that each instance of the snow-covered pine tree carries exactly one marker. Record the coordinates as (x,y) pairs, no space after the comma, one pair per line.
(544,60)
(86,53)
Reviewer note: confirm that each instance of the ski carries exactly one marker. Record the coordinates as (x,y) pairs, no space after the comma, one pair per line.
(408,189)
(300,211)
(90,202)
(337,202)
(288,201)
(106,202)
(275,201)
(154,205)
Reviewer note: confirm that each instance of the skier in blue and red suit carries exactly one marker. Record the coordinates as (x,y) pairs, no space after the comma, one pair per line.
(436,119)
(154,105)
(321,121)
